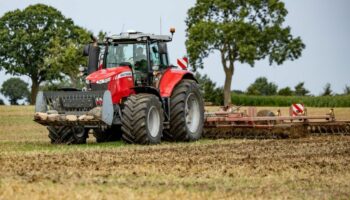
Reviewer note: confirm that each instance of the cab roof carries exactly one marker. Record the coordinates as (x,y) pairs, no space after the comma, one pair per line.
(138,36)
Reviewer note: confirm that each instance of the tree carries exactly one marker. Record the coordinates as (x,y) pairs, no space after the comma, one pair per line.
(327,91)
(101,35)
(210,92)
(300,90)
(15,89)
(2,102)
(29,42)
(285,91)
(262,87)
(241,31)
(347,90)
(67,59)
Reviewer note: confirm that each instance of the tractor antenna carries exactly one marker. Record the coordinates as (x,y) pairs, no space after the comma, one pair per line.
(123,28)
(160,25)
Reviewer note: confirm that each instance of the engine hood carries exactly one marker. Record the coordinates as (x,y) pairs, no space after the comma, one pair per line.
(106,73)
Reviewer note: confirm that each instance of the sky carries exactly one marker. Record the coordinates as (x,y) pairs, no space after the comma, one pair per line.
(323,25)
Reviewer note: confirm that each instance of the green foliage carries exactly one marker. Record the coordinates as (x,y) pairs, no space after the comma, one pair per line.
(237,92)
(41,43)
(244,31)
(262,87)
(347,90)
(327,91)
(101,35)
(285,91)
(57,85)
(300,89)
(321,101)
(15,89)
(2,102)
(210,92)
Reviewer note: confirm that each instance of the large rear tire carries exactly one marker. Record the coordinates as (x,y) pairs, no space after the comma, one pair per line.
(109,135)
(186,113)
(142,119)
(67,134)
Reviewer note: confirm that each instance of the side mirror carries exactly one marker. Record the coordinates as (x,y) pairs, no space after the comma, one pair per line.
(163,49)
(86,50)
(92,51)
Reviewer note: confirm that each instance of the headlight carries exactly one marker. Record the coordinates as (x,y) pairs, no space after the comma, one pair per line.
(103,81)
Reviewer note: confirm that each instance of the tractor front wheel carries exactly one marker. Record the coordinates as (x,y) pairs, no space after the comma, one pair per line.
(142,119)
(67,134)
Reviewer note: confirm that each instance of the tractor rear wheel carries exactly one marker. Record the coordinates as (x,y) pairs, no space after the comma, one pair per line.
(142,119)
(186,113)
(67,134)
(109,135)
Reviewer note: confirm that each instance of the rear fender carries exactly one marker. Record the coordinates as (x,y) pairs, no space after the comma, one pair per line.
(171,78)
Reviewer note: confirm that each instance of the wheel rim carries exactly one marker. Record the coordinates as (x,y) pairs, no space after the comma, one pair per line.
(79,132)
(153,121)
(192,113)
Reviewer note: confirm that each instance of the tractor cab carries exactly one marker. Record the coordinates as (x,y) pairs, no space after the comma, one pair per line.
(145,54)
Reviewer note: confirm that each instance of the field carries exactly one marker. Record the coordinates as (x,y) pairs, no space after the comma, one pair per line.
(305,168)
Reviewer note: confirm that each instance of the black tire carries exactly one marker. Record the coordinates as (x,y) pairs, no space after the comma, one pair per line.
(67,134)
(137,112)
(109,135)
(179,130)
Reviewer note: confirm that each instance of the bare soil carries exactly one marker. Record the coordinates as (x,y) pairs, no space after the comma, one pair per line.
(304,168)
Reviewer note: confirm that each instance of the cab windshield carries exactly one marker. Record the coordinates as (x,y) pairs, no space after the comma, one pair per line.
(127,54)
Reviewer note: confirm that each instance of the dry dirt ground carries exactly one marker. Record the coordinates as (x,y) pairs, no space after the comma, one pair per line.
(305,168)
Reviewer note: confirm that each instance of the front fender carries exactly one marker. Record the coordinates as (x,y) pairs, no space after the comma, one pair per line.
(171,78)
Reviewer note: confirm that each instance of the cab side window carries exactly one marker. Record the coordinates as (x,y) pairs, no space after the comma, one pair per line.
(154,55)
(164,60)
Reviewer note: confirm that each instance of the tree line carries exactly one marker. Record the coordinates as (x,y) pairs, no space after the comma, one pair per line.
(264,93)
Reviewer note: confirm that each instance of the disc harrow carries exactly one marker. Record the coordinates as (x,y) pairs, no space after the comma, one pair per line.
(230,123)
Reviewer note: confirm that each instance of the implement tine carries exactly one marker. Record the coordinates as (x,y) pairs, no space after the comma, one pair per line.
(333,131)
(347,128)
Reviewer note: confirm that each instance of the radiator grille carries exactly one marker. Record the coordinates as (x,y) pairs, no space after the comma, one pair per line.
(97,87)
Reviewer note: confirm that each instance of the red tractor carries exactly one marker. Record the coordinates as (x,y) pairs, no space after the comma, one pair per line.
(132,93)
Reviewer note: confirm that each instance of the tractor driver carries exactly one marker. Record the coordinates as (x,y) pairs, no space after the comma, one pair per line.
(140,60)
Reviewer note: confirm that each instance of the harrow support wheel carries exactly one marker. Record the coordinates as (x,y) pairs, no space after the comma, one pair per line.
(186,113)
(266,113)
(142,119)
(67,134)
